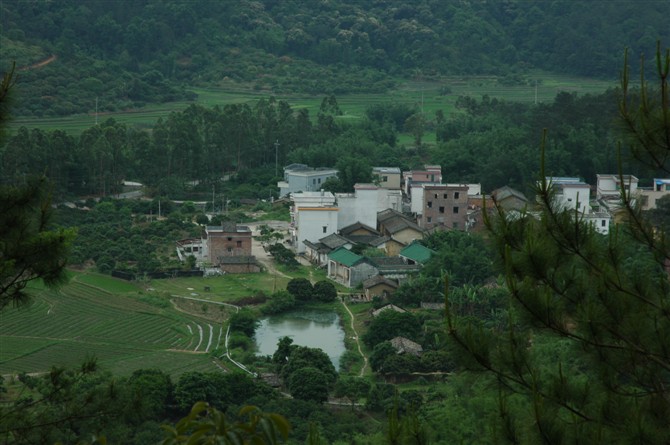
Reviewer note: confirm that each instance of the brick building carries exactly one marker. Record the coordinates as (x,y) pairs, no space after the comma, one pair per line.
(444,207)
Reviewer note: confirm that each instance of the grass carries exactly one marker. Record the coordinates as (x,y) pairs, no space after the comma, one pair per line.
(88,317)
(127,325)
(426,95)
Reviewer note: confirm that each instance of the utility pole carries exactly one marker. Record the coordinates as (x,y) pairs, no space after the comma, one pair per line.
(213,188)
(276,155)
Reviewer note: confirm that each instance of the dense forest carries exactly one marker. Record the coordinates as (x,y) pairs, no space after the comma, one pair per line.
(127,54)
(487,141)
(549,333)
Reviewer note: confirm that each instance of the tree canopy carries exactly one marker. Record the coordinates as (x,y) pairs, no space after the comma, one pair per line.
(584,352)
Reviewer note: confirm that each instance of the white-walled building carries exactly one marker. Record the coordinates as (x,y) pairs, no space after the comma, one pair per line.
(362,205)
(313,216)
(301,178)
(571,193)
(609,186)
(649,196)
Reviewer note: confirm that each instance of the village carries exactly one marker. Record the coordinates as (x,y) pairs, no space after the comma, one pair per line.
(369,240)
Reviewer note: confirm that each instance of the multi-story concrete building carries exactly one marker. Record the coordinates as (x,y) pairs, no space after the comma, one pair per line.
(649,196)
(444,207)
(313,216)
(431,174)
(226,240)
(387,177)
(362,205)
(301,178)
(571,193)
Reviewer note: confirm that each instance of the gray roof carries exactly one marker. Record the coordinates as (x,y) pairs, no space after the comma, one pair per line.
(506,192)
(333,241)
(404,345)
(379,279)
(395,221)
(357,226)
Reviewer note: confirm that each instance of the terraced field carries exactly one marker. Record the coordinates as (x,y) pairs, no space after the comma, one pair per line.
(123,332)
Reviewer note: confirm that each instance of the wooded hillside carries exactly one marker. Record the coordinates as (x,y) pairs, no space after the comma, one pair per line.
(127,54)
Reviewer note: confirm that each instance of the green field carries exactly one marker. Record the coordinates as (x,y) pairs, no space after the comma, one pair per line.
(424,94)
(112,323)
(126,325)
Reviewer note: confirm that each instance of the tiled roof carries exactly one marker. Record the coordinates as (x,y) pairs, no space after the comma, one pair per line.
(357,226)
(345,256)
(334,241)
(379,279)
(417,252)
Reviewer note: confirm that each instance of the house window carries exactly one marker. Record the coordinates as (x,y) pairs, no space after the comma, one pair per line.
(456,195)
(239,244)
(441,209)
(429,204)
(445,196)
(230,238)
(385,178)
(602,223)
(229,249)
(313,181)
(325,229)
(319,180)
(456,209)
(429,219)
(435,195)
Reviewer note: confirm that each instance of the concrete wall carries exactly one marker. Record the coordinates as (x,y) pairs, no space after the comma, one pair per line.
(314,223)
(445,207)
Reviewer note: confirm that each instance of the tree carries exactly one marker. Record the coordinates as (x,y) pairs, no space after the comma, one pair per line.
(352,388)
(325,291)
(585,351)
(309,383)
(244,321)
(303,357)
(301,289)
(30,248)
(207,425)
(389,324)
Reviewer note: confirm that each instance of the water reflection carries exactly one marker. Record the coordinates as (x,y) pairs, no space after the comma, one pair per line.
(315,329)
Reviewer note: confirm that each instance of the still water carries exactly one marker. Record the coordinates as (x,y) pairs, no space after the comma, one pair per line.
(315,329)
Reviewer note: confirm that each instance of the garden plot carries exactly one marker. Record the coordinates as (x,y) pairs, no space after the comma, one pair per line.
(122,332)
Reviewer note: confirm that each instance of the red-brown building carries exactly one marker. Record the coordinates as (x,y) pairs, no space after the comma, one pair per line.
(444,207)
(226,240)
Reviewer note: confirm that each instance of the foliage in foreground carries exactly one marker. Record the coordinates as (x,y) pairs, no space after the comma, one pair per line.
(601,300)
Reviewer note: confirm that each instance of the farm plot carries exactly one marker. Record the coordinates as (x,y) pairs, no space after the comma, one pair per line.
(123,333)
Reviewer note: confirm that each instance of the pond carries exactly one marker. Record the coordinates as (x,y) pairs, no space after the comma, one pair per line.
(315,329)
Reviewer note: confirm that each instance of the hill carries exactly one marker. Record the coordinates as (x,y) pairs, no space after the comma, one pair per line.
(118,55)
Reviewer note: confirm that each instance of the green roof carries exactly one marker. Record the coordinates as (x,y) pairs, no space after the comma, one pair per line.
(345,256)
(417,252)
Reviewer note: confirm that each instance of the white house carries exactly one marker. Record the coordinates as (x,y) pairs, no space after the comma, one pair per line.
(571,193)
(313,216)
(301,178)
(362,205)
(610,186)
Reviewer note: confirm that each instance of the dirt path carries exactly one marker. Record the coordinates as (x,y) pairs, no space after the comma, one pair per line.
(358,343)
(39,64)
